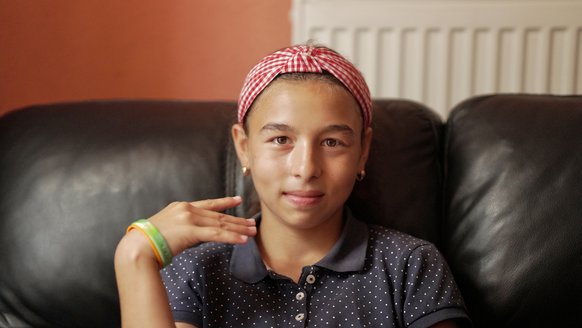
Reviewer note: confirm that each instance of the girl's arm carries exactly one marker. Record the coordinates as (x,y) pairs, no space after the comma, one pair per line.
(142,294)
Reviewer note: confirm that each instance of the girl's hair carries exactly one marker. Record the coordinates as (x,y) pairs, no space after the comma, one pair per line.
(324,76)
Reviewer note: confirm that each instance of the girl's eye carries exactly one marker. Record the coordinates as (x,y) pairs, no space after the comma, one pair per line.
(281,140)
(330,143)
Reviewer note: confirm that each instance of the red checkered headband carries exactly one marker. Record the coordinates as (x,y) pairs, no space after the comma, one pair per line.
(305,59)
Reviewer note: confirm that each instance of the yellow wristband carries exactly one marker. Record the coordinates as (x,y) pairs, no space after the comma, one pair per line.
(157,241)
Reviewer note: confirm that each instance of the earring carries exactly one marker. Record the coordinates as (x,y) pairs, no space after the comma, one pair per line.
(361,175)
(246,171)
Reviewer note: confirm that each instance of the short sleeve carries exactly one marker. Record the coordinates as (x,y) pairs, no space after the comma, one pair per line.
(430,292)
(182,288)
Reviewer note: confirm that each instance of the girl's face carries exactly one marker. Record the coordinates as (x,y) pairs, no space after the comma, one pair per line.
(304,148)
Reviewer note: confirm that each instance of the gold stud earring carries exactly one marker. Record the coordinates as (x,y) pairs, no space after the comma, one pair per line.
(246,171)
(360,176)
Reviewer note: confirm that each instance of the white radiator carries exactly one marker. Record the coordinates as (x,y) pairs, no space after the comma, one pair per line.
(440,52)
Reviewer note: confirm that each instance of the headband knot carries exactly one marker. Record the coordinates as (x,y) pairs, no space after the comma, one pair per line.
(305,59)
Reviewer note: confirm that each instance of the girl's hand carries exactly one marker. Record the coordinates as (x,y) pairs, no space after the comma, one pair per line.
(184,224)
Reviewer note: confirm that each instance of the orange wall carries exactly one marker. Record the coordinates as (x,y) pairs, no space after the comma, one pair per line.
(64,50)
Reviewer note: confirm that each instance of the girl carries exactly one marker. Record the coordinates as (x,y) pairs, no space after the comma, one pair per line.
(303,136)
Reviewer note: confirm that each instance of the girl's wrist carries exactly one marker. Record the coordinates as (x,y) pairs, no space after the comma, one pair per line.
(134,250)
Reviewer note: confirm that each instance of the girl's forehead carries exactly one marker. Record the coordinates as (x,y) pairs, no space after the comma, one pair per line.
(305,103)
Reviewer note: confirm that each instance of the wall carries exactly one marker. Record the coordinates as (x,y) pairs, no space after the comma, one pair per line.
(66,50)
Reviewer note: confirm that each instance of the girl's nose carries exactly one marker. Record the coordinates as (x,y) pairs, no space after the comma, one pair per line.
(305,162)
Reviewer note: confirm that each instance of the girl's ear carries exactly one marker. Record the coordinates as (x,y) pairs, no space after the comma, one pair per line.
(365,149)
(240,139)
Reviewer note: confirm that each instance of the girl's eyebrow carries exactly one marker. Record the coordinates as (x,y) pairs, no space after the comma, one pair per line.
(342,128)
(276,127)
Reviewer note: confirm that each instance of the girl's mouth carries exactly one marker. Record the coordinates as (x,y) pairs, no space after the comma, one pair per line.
(302,198)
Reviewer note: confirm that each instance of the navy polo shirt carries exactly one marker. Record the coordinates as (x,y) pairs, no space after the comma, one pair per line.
(372,277)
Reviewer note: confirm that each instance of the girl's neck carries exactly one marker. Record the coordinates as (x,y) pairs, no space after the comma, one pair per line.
(286,250)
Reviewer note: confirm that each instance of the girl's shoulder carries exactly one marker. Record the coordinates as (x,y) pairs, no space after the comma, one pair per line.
(384,238)
(204,254)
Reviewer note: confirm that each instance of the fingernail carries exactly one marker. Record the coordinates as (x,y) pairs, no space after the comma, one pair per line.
(237,198)
(244,238)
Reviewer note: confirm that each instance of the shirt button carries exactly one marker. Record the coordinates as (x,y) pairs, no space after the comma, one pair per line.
(310,279)
(300,317)
(300,296)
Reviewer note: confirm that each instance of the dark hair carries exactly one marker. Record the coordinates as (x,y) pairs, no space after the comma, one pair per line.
(325,76)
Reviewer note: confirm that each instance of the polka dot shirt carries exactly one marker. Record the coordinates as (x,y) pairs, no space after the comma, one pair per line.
(372,277)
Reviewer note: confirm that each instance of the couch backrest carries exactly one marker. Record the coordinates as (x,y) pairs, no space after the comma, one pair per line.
(513,229)
(73,176)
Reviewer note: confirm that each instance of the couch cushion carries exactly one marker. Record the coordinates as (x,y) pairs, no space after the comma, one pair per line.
(402,188)
(514,222)
(74,176)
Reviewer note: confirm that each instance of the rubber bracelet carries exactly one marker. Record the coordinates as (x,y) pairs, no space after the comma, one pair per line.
(157,241)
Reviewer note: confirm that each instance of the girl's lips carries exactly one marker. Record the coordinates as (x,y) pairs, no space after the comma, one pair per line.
(303,198)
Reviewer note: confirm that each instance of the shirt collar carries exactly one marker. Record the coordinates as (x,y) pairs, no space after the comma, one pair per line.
(347,255)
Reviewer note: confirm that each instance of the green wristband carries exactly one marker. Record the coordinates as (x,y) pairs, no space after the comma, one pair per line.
(157,241)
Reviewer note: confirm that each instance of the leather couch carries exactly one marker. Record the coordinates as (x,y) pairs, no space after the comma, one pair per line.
(497,187)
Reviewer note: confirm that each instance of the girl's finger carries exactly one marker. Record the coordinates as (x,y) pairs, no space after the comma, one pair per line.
(226,222)
(202,217)
(218,204)
(217,234)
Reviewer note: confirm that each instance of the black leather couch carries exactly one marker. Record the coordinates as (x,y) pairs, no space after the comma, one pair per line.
(498,189)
